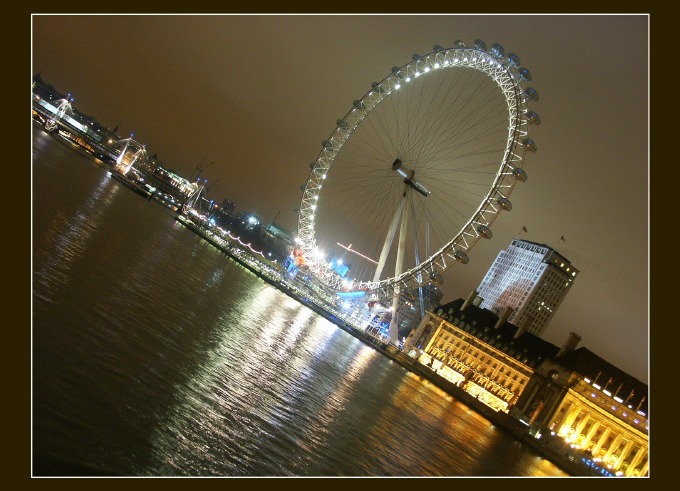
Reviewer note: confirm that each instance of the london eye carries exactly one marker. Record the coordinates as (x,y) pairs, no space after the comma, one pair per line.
(418,169)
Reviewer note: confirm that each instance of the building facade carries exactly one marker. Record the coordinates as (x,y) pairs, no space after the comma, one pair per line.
(594,407)
(580,404)
(480,352)
(531,279)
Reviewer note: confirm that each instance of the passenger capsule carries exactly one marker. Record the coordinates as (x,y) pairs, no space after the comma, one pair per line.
(519,174)
(416,57)
(480,45)
(504,203)
(327,145)
(461,257)
(529,145)
(436,278)
(436,47)
(376,86)
(459,44)
(533,118)
(359,104)
(484,231)
(497,50)
(513,59)
(531,94)
(525,74)
(342,124)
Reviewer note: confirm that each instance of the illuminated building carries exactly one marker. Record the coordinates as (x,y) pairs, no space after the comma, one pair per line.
(248,220)
(580,404)
(594,407)
(277,231)
(280,241)
(532,279)
(339,266)
(480,352)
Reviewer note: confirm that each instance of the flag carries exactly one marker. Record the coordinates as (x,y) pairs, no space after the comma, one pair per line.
(562,239)
(524,229)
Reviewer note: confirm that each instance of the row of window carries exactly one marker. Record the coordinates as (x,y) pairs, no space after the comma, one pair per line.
(487,356)
(529,247)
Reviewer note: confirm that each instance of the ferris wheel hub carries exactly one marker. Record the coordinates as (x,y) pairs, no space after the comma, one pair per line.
(408,174)
(434,135)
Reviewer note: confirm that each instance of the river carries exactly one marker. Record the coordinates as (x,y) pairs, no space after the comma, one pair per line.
(154,354)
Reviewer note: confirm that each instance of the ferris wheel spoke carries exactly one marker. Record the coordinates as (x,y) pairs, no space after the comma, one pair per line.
(444,137)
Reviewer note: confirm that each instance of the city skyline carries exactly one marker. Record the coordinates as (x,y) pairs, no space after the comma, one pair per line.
(258,94)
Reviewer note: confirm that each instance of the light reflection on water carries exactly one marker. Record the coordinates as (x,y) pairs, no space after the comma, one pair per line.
(153,354)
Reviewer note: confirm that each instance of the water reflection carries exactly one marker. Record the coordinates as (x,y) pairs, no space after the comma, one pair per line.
(154,354)
(68,235)
(228,380)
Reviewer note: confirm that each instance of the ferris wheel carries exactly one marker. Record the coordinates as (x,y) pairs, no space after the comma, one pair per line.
(414,175)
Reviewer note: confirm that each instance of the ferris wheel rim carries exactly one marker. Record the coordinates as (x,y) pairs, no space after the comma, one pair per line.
(509,77)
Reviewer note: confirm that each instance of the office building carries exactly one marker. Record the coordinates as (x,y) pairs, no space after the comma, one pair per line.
(529,281)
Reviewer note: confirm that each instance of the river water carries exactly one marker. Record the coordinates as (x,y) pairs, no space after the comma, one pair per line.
(153,354)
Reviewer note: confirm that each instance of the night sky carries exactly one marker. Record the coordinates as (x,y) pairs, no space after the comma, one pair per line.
(256,95)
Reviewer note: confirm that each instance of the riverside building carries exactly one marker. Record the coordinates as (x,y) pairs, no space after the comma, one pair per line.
(594,407)
(531,279)
(480,352)
(580,404)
